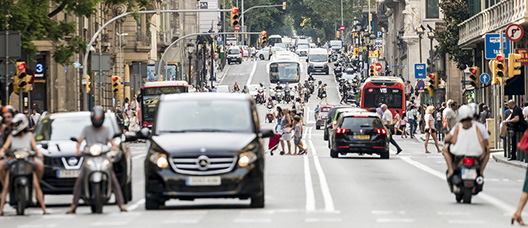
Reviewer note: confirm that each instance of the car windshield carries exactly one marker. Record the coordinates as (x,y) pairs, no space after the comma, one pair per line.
(58,129)
(318,58)
(234,51)
(358,123)
(204,116)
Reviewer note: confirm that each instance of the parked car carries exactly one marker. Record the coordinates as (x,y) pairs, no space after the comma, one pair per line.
(180,164)
(359,132)
(61,165)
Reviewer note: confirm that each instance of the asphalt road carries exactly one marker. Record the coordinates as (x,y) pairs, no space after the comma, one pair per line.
(407,190)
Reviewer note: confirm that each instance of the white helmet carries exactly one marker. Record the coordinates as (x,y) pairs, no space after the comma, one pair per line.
(464,112)
(475,109)
(20,123)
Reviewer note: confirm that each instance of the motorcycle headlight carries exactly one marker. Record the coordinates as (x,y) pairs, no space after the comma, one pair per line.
(21,154)
(95,150)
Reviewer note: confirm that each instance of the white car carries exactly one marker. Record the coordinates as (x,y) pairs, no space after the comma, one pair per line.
(348,74)
(303,49)
(263,54)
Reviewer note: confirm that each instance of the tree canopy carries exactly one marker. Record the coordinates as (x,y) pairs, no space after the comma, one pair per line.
(35,21)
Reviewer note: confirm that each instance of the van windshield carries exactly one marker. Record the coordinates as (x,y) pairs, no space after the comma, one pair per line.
(318,58)
(234,51)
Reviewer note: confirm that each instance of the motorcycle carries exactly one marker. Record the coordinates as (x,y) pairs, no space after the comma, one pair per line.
(97,176)
(311,85)
(278,95)
(21,179)
(260,96)
(466,179)
(269,114)
(287,96)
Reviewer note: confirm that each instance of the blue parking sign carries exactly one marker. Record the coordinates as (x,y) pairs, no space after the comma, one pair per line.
(493,45)
(419,70)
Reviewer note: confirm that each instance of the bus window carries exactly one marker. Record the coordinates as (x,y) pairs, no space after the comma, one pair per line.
(391,97)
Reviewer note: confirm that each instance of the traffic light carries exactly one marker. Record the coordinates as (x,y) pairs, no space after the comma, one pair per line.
(283,5)
(20,79)
(88,83)
(372,70)
(264,37)
(499,67)
(474,76)
(493,66)
(433,82)
(337,34)
(115,84)
(513,62)
(234,16)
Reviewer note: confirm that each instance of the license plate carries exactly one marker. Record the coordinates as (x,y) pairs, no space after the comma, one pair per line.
(203,181)
(68,173)
(468,174)
(367,137)
(318,70)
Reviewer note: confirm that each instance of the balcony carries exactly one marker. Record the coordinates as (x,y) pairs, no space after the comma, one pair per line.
(492,19)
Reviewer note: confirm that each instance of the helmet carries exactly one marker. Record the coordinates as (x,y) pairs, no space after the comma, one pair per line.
(474,107)
(97,116)
(464,113)
(269,99)
(20,123)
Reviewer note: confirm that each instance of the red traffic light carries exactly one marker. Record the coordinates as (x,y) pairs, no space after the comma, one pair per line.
(500,58)
(22,66)
(372,67)
(264,33)
(431,76)
(114,78)
(472,70)
(234,10)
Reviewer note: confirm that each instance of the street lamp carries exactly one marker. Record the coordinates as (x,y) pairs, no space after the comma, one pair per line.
(420,30)
(190,49)
(431,36)
(121,58)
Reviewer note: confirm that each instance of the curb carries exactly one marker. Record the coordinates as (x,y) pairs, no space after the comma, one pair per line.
(499,157)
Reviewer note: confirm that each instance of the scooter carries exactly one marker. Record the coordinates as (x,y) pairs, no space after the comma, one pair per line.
(21,179)
(269,114)
(466,179)
(287,96)
(97,176)
(260,96)
(278,95)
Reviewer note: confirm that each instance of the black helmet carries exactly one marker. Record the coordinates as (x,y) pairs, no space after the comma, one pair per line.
(97,116)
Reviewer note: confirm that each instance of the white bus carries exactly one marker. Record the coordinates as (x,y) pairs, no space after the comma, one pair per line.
(273,39)
(284,66)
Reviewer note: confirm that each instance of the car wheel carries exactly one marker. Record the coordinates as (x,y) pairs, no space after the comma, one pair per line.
(327,73)
(385,155)
(317,127)
(261,57)
(333,154)
(257,200)
(325,135)
(152,203)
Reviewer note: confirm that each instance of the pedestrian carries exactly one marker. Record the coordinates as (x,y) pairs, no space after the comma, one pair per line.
(320,89)
(379,110)
(412,120)
(35,116)
(324,95)
(134,123)
(286,124)
(430,129)
(278,117)
(397,122)
(31,123)
(517,123)
(387,121)
(245,90)
(484,114)
(298,136)
(299,109)
(120,119)
(403,125)
(236,88)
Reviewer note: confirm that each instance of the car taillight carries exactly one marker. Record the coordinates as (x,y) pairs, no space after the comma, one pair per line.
(342,130)
(468,161)
(380,131)
(319,117)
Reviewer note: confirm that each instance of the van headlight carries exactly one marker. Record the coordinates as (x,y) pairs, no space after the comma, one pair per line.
(95,150)
(246,158)
(159,159)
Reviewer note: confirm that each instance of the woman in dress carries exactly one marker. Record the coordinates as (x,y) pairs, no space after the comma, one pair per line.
(430,129)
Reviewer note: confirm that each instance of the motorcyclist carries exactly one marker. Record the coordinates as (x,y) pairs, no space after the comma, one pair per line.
(21,139)
(344,89)
(96,134)
(463,134)
(310,77)
(278,87)
(270,104)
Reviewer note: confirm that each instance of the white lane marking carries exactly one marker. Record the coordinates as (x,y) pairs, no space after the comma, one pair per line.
(453,213)
(383,212)
(135,205)
(37,226)
(109,223)
(252,220)
(310,133)
(394,220)
(252,73)
(310,196)
(466,222)
(325,190)
(181,221)
(139,156)
(507,208)
(323,220)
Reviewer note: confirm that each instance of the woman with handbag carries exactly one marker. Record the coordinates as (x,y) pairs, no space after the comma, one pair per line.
(134,123)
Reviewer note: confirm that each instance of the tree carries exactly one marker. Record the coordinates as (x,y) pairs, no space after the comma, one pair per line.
(455,12)
(35,21)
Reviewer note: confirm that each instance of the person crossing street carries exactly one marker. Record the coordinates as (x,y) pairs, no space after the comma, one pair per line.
(387,121)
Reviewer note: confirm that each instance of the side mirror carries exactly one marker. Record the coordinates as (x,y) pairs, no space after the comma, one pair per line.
(266,133)
(73,139)
(144,133)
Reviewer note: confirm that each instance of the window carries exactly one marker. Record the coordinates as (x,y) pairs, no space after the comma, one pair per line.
(432,9)
(139,29)
(474,7)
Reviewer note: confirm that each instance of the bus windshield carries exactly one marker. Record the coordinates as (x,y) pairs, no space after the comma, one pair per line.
(375,96)
(284,72)
(150,99)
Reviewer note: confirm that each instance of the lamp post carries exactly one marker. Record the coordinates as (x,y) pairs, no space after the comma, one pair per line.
(121,59)
(190,49)
(420,30)
(431,36)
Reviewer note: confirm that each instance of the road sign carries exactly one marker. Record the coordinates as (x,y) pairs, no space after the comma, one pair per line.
(419,70)
(378,66)
(105,60)
(237,28)
(342,28)
(484,78)
(514,32)
(420,84)
(493,45)
(13,44)
(379,34)
(378,43)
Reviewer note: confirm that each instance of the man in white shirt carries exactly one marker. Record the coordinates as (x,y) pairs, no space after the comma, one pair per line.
(412,120)
(35,116)
(387,121)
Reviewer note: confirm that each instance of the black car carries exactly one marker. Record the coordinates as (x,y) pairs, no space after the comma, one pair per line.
(61,165)
(205,145)
(359,132)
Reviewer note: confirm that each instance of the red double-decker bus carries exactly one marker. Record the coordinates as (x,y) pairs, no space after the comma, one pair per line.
(383,90)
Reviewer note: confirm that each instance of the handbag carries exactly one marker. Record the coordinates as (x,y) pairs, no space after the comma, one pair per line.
(523,144)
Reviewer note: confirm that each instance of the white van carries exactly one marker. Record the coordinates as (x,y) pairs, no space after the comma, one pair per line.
(317,60)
